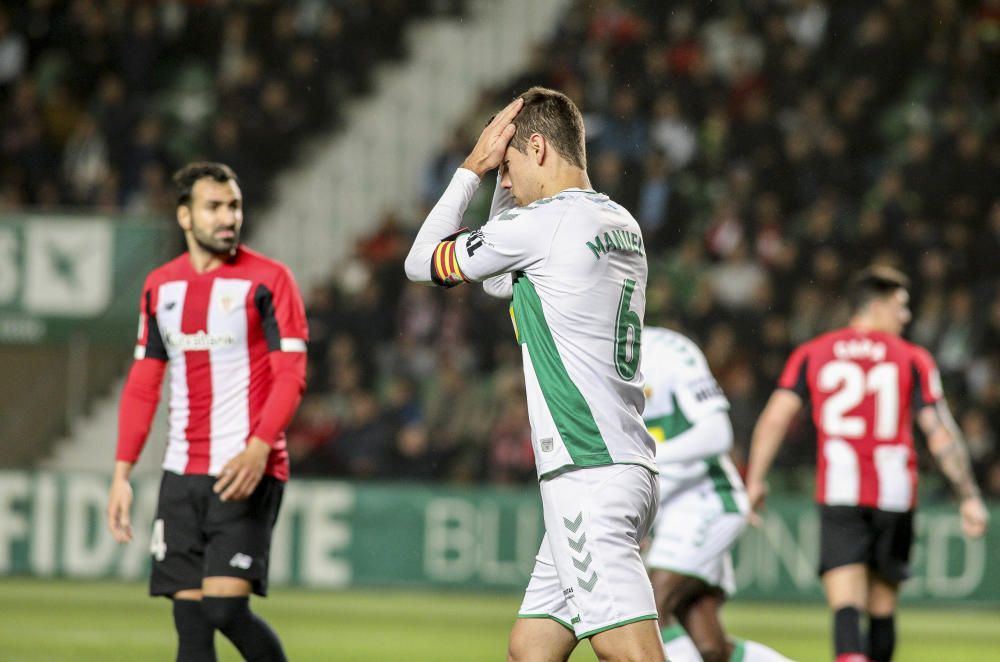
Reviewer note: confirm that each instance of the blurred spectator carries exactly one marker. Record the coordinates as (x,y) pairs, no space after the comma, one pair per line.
(768,150)
(280,69)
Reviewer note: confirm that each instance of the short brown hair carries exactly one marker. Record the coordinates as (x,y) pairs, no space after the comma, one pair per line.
(188,176)
(553,115)
(875,282)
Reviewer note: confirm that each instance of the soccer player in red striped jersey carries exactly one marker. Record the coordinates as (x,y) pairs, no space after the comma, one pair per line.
(230,324)
(865,385)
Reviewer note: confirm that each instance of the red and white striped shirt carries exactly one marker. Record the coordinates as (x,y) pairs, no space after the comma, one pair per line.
(235,341)
(864,388)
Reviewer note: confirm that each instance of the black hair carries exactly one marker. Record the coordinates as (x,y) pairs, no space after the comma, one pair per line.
(188,176)
(875,282)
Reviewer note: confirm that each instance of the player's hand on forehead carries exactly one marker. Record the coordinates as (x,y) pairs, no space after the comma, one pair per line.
(489,149)
(507,114)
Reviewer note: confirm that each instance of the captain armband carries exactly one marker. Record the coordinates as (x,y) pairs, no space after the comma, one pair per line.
(444,262)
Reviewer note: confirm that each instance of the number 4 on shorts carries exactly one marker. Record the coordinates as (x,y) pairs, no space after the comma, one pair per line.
(157,543)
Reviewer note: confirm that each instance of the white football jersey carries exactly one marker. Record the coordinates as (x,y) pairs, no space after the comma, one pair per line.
(578,272)
(680,392)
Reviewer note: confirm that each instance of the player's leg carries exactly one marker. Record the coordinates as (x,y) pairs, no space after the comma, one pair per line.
(632,642)
(691,570)
(846,594)
(177,561)
(595,518)
(195,634)
(540,640)
(890,566)
(846,538)
(236,561)
(676,598)
(882,598)
(700,617)
(542,632)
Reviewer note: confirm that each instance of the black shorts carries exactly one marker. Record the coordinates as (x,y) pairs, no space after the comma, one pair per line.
(877,538)
(196,535)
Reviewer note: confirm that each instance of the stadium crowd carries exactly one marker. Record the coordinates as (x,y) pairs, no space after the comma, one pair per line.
(102,100)
(768,148)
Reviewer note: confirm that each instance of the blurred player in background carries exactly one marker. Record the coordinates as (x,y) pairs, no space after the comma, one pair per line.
(703,505)
(574,264)
(865,384)
(231,324)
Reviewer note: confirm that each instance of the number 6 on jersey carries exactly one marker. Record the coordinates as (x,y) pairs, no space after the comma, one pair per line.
(627,344)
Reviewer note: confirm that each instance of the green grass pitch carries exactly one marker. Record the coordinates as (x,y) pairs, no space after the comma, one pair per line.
(53,621)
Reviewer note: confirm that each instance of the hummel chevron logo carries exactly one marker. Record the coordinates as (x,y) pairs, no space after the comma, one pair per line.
(588,585)
(584,564)
(577,545)
(575,524)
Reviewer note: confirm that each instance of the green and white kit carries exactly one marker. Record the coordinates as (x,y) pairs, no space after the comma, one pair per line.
(574,267)
(703,504)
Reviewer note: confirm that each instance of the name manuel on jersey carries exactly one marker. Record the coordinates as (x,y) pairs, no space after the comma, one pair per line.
(616,240)
(200,341)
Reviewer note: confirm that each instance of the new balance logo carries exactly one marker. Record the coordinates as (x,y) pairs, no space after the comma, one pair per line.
(241,561)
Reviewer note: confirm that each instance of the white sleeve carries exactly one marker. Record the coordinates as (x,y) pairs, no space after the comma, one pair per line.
(710,436)
(500,286)
(443,220)
(502,200)
(515,240)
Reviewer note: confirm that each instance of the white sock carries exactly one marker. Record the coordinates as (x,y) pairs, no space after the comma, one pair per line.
(678,645)
(755,652)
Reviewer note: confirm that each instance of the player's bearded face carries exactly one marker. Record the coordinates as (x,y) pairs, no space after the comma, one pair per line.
(216,216)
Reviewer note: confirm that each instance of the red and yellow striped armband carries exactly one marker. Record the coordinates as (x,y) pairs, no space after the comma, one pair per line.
(444,265)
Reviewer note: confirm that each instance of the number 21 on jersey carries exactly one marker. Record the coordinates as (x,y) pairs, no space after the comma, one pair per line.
(849,384)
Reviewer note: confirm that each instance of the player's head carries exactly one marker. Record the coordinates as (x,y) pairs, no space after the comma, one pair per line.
(209,206)
(880,296)
(548,139)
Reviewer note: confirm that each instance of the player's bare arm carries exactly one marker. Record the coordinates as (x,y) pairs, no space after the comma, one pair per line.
(120,503)
(240,476)
(489,150)
(768,435)
(944,439)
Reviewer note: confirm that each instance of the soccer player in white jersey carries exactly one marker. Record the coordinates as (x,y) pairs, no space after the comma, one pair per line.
(574,264)
(228,326)
(703,505)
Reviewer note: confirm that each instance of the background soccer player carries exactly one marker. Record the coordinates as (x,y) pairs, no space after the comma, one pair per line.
(703,505)
(864,383)
(574,263)
(231,324)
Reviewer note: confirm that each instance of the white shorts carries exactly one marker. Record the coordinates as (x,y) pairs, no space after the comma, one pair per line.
(589,575)
(693,535)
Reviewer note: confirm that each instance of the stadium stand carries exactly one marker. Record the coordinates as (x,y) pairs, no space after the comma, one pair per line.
(764,159)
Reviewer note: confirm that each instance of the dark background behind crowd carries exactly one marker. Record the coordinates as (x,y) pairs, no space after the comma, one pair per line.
(768,149)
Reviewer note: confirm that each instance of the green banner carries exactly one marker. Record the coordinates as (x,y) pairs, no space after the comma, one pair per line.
(337,534)
(62,274)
